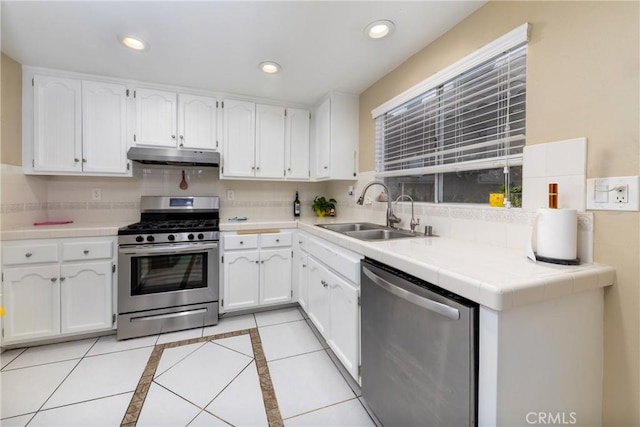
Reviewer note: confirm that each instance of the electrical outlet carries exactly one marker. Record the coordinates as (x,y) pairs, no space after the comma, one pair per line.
(96,194)
(231,195)
(614,194)
(621,195)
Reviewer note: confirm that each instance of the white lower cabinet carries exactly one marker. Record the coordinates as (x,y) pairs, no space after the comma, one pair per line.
(85,296)
(256,270)
(31,298)
(329,290)
(57,287)
(318,309)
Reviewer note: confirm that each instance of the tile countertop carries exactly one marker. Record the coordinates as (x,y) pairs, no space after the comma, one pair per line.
(498,278)
(74,229)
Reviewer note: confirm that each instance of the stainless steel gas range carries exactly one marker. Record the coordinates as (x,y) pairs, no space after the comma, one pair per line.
(168,266)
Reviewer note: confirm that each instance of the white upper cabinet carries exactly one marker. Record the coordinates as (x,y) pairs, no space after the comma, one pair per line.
(253,140)
(297,144)
(57,124)
(197,122)
(155,118)
(168,119)
(79,127)
(104,133)
(239,138)
(269,141)
(336,137)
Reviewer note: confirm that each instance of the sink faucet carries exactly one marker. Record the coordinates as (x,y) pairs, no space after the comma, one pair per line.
(391,218)
(414,222)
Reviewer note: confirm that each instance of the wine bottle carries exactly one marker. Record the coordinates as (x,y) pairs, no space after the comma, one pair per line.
(296,206)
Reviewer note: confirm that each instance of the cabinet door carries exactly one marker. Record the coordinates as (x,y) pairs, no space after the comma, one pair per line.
(239,119)
(241,277)
(275,276)
(85,296)
(318,310)
(155,118)
(344,337)
(297,144)
(302,276)
(323,139)
(269,141)
(197,122)
(104,124)
(31,298)
(57,125)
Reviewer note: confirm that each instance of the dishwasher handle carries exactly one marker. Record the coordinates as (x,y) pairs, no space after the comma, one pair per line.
(426,303)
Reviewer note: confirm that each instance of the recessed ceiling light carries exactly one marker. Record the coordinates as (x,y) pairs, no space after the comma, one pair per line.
(269,67)
(379,29)
(134,43)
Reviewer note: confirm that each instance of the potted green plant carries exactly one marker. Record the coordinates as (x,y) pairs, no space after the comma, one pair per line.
(515,194)
(321,206)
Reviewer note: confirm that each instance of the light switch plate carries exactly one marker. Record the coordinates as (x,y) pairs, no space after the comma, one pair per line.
(614,193)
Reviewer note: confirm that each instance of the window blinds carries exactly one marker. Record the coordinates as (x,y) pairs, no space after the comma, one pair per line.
(474,120)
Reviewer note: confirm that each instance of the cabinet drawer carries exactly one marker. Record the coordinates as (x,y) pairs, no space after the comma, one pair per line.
(86,250)
(241,241)
(276,240)
(30,254)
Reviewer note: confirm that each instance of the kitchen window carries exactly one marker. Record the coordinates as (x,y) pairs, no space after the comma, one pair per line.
(459,135)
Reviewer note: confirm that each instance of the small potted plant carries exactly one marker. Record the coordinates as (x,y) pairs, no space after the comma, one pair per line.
(322,206)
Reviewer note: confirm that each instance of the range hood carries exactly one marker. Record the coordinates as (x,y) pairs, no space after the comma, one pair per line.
(173,157)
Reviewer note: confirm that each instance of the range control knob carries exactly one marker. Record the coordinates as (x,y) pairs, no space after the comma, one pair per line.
(139,239)
(200,236)
(171,237)
(190,237)
(150,239)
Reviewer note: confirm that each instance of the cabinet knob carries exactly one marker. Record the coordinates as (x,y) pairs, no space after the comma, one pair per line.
(277,240)
(257,262)
(289,169)
(181,137)
(258,168)
(325,284)
(76,160)
(253,168)
(62,279)
(54,279)
(84,160)
(181,144)
(326,167)
(86,252)
(28,255)
(241,242)
(261,262)
(304,265)
(173,137)
(300,242)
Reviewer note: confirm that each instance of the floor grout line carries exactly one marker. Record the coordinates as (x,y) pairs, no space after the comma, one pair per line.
(274,418)
(134,409)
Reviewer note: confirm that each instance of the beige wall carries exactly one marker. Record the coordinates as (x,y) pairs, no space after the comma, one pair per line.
(11,112)
(583,79)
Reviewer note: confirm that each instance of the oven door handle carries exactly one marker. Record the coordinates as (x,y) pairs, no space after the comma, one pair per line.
(168,249)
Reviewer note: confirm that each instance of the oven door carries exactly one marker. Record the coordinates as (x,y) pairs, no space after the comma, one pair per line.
(162,276)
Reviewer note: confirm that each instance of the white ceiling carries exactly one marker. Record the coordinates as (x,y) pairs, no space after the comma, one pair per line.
(217,45)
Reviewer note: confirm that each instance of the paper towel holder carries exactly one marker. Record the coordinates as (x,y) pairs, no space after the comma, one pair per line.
(557,261)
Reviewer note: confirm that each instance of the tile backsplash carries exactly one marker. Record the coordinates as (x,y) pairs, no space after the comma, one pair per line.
(26,199)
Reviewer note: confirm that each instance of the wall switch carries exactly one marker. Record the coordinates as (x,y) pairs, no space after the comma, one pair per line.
(614,194)
(231,194)
(96,194)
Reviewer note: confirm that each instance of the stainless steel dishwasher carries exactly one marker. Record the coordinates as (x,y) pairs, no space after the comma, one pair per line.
(419,350)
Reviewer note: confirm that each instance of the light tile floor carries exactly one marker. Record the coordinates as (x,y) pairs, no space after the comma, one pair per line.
(212,383)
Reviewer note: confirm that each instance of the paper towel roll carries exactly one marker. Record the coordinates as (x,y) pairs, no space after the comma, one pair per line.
(557,233)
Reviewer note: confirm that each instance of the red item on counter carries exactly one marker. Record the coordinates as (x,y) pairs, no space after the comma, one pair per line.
(52,223)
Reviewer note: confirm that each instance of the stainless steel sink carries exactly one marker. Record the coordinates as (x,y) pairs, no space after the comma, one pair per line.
(354,226)
(368,231)
(385,234)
